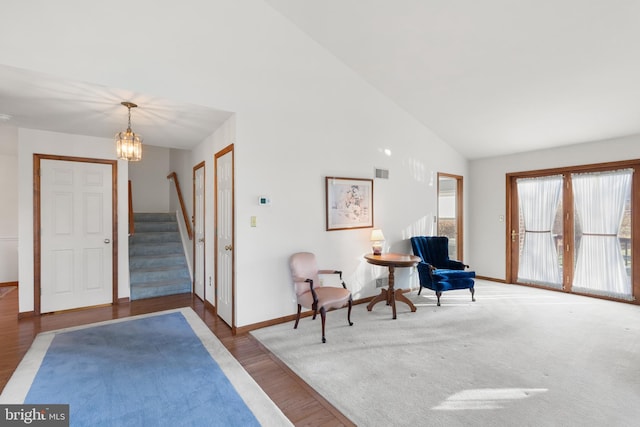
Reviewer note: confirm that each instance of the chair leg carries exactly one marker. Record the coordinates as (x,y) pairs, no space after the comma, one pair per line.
(438,293)
(349,313)
(323,315)
(419,289)
(315,310)
(473,293)
(297,317)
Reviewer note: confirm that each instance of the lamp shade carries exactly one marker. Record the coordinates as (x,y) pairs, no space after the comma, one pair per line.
(376,235)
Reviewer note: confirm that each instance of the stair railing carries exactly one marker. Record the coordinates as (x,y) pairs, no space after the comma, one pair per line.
(174,177)
(132,228)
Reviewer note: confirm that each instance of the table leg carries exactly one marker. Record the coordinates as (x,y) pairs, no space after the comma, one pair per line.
(391,295)
(382,297)
(400,297)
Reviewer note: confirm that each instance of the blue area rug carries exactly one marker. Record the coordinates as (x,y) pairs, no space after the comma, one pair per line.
(151,371)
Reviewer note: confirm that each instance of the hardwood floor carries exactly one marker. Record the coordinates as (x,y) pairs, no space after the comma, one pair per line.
(297,400)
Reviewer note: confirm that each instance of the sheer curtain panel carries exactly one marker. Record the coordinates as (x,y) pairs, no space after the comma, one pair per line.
(599,199)
(538,200)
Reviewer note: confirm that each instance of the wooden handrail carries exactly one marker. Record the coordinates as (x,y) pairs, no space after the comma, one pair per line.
(132,227)
(173,176)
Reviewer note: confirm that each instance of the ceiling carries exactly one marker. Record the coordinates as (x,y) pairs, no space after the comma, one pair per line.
(39,101)
(490,77)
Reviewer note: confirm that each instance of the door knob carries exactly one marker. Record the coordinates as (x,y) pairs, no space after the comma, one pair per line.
(228,247)
(201,240)
(107,241)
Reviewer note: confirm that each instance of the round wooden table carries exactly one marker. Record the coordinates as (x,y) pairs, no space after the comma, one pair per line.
(390,295)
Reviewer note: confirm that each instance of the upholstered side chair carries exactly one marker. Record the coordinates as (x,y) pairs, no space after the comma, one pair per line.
(436,271)
(311,294)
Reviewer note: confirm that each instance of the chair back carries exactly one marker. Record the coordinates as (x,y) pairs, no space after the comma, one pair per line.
(303,266)
(419,245)
(433,250)
(438,250)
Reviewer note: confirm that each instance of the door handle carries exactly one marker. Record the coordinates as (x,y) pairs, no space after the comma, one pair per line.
(201,240)
(107,241)
(228,247)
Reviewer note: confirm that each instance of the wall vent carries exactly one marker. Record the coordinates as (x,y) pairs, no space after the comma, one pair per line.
(382,281)
(382,173)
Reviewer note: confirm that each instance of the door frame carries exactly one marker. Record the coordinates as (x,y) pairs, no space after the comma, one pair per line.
(200,165)
(228,149)
(459,211)
(37,224)
(568,232)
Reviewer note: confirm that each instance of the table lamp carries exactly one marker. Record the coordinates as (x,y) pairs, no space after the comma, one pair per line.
(377,238)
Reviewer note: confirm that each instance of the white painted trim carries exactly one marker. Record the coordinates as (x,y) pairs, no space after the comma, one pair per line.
(184,237)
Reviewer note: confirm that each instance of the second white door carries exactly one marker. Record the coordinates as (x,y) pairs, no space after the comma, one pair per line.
(224,235)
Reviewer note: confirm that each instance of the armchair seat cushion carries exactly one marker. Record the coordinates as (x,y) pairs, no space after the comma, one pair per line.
(443,274)
(328,297)
(448,285)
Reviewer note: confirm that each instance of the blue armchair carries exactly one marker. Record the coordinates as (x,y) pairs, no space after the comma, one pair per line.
(436,271)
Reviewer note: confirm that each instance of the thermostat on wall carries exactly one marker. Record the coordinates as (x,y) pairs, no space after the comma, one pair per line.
(264,201)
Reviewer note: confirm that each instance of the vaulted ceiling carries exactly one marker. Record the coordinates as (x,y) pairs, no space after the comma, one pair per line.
(490,77)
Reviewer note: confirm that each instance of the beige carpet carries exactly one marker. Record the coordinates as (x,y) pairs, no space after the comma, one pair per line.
(518,356)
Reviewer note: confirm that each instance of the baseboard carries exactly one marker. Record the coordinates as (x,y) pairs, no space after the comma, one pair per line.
(26,314)
(491,279)
(289,318)
(9,284)
(259,325)
(123,300)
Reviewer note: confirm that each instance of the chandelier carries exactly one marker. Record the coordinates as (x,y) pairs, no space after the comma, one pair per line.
(128,144)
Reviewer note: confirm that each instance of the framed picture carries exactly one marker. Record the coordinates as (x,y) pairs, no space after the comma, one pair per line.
(349,203)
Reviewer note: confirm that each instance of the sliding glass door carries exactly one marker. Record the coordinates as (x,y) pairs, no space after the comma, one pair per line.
(576,229)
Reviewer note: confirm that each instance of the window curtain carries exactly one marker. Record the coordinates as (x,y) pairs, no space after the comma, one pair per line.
(599,200)
(538,200)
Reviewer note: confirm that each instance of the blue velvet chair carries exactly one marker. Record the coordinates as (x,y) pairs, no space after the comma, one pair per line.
(436,271)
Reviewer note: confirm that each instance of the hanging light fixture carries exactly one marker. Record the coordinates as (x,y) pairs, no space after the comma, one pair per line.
(128,144)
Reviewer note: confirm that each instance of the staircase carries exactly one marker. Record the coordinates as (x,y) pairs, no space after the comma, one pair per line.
(157,264)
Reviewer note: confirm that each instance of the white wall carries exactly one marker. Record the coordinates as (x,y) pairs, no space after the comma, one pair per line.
(149,183)
(301,115)
(487,193)
(42,142)
(9,204)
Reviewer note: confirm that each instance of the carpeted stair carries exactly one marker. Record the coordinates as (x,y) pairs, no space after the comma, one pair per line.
(157,264)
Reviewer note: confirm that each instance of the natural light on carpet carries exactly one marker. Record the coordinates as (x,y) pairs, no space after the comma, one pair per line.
(486,398)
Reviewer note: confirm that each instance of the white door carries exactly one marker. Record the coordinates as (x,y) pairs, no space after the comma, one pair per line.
(198,225)
(224,242)
(76,225)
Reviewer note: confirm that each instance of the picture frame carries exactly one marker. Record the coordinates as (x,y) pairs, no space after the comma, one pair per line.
(349,203)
